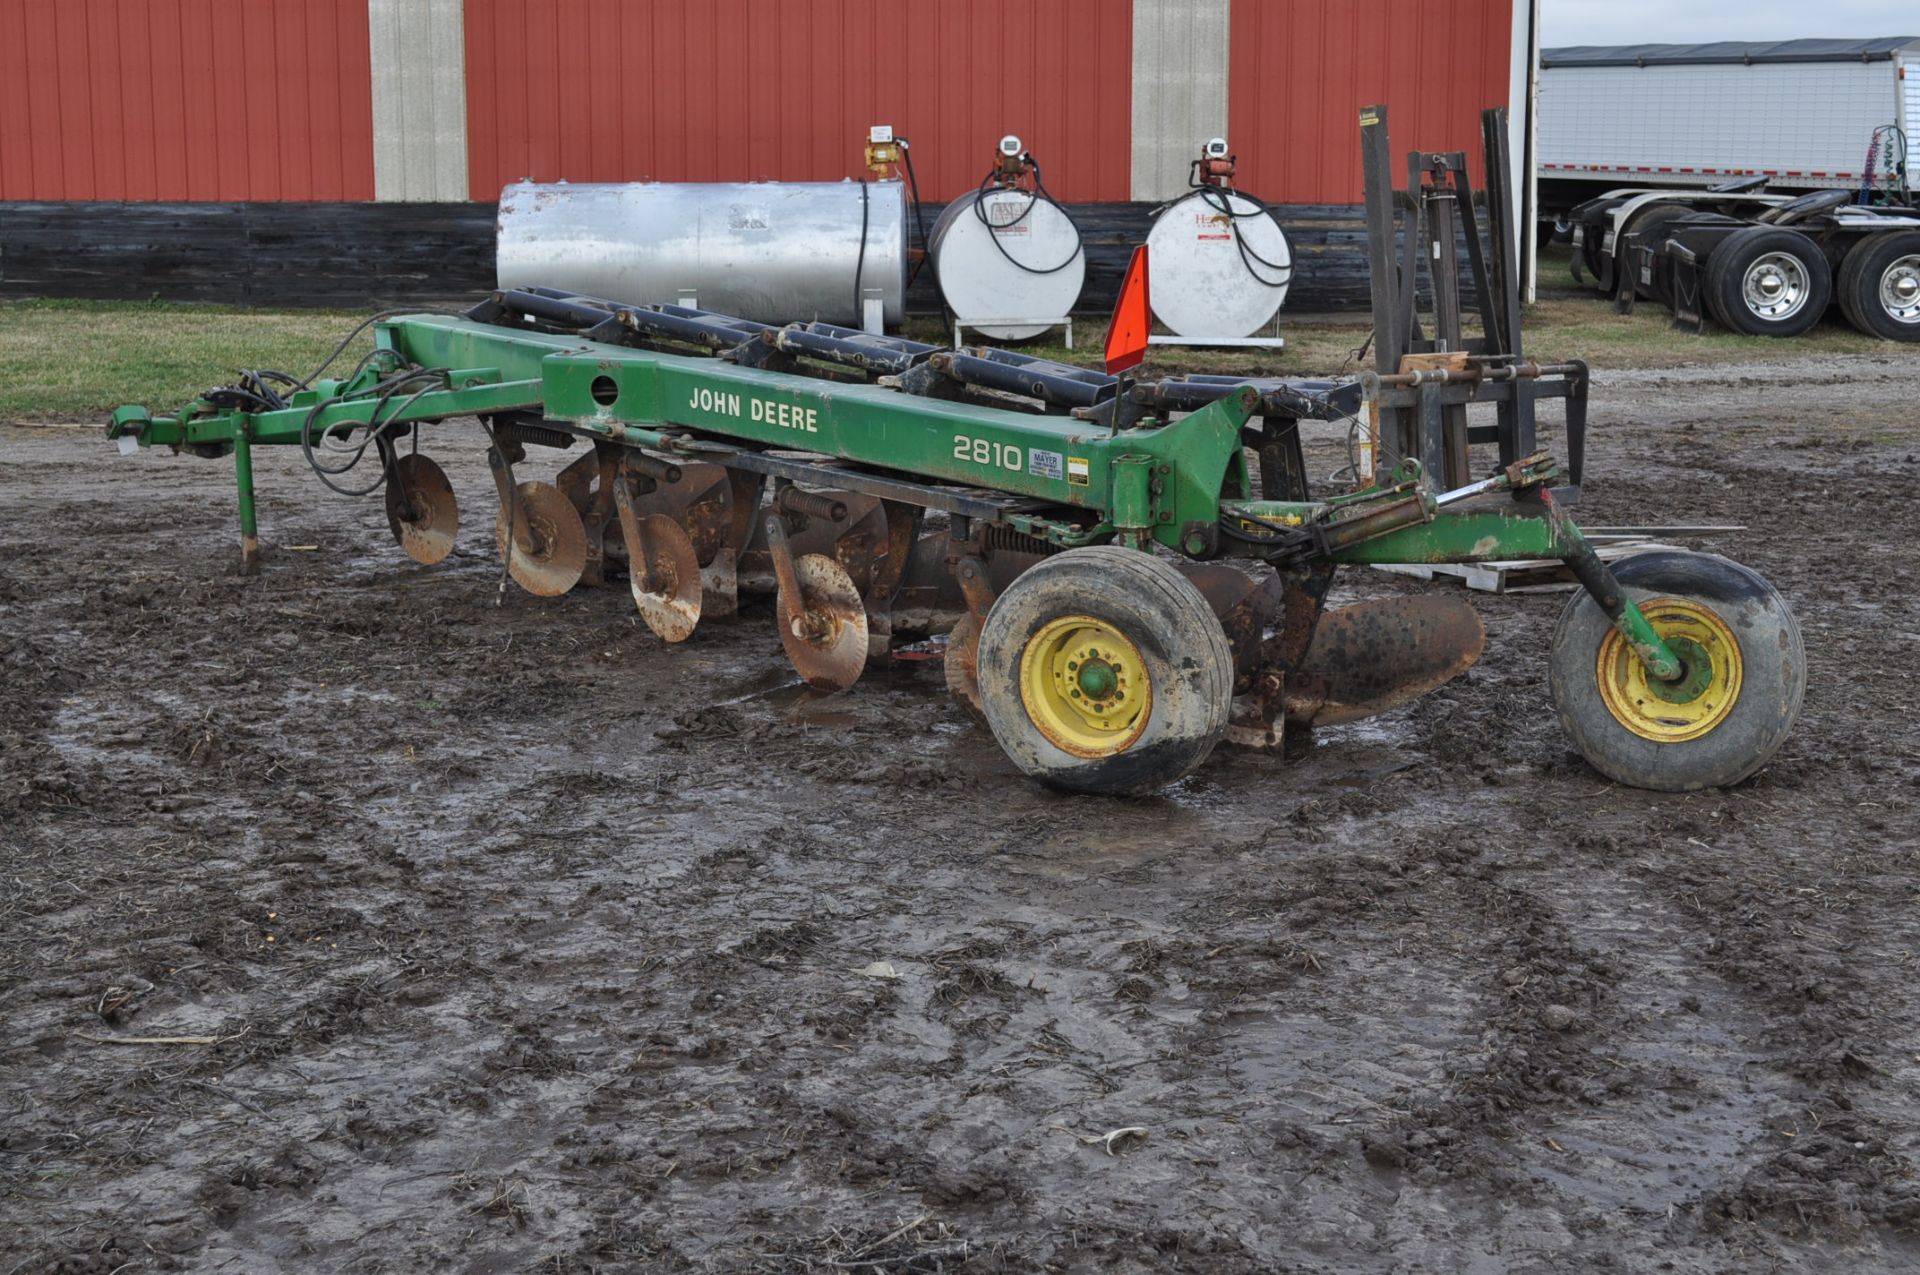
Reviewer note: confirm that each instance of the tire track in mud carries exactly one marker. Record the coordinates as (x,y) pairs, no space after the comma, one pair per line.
(1832,1157)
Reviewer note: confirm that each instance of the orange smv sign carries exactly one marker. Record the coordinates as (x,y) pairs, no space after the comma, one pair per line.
(1132,317)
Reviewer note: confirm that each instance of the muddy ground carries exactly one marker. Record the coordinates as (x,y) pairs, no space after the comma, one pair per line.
(531,944)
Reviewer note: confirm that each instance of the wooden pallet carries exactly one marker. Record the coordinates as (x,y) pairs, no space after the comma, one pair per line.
(1524,575)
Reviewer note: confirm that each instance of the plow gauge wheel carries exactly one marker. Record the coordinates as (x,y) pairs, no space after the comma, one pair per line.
(1743,671)
(549,549)
(665,577)
(426,530)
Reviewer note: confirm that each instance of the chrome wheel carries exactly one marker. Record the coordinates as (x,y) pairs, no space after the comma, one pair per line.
(1900,290)
(1775,286)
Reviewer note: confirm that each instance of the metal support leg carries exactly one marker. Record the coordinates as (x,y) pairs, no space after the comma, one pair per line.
(243,480)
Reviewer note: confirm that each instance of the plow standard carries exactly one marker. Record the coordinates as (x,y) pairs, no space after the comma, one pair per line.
(1128,570)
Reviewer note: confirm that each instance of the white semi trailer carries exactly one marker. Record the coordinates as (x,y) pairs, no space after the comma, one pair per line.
(1802,114)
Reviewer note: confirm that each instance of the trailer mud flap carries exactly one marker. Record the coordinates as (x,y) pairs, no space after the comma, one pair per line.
(1686,280)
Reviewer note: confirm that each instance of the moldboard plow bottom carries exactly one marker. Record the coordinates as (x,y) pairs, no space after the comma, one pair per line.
(1129,570)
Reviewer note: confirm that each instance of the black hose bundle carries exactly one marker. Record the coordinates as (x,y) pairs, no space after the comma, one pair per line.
(919,219)
(1221,201)
(337,440)
(860,262)
(1037,194)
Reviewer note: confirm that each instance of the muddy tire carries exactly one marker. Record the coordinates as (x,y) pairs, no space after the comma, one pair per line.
(1103,670)
(1746,671)
(1879,286)
(1766,281)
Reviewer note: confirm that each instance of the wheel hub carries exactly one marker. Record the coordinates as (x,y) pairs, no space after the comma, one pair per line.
(1084,685)
(1098,680)
(1694,703)
(1776,286)
(1900,290)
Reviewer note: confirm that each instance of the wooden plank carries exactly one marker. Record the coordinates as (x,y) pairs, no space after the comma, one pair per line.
(1437,361)
(1519,575)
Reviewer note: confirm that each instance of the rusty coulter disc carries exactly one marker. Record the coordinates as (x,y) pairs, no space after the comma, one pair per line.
(701,502)
(666,578)
(963,665)
(550,545)
(824,630)
(427,536)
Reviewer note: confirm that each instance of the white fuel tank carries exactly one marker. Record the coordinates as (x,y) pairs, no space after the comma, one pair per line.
(1221,265)
(1007,255)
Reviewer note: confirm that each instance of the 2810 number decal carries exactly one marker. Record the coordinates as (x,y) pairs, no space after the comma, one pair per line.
(985,451)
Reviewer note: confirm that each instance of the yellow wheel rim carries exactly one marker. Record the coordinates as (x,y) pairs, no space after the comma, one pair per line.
(1085,686)
(1709,685)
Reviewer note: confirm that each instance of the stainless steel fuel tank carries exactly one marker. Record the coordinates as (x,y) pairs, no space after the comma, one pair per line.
(776,252)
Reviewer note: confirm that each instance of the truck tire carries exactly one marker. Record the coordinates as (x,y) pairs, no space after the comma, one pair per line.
(1103,670)
(1765,281)
(1879,285)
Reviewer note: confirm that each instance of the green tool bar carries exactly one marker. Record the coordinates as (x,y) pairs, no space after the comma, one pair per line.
(1159,482)
(1052,458)
(1468,536)
(289,424)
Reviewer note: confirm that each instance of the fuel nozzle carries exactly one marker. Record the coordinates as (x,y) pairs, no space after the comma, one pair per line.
(1215,166)
(1010,161)
(883,152)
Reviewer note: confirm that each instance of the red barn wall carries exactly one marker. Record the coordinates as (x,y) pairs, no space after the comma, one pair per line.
(601,90)
(185,100)
(272,99)
(1300,70)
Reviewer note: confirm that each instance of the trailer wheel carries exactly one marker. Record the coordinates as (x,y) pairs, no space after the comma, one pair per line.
(1879,286)
(1745,671)
(1103,670)
(1765,281)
